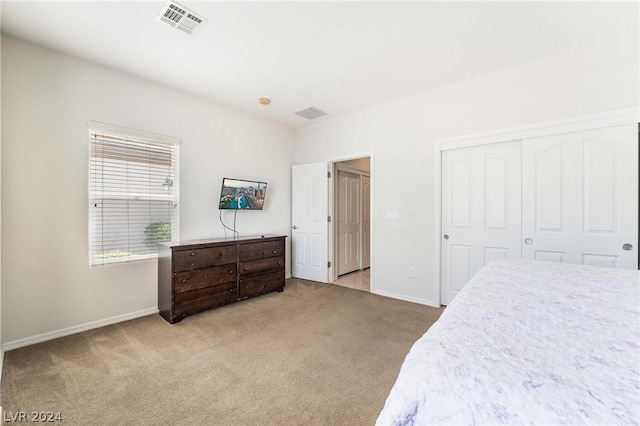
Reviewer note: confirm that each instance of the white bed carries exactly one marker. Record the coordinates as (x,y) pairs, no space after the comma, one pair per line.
(528,342)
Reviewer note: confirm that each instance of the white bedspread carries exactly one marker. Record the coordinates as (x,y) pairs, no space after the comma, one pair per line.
(528,342)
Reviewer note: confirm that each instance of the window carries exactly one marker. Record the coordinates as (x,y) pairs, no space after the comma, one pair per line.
(133,193)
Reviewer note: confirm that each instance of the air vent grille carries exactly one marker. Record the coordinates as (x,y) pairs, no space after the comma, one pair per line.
(180,18)
(310,113)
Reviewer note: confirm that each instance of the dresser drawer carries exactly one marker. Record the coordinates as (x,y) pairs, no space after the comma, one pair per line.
(199,300)
(273,248)
(192,280)
(188,260)
(261,284)
(261,265)
(260,250)
(250,251)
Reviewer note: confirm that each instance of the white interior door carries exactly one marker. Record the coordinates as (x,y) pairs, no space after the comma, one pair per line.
(348,222)
(366,221)
(481,211)
(580,197)
(310,227)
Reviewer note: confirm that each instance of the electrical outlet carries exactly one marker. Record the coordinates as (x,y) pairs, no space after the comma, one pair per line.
(412,272)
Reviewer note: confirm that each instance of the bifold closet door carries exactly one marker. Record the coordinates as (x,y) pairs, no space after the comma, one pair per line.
(580,197)
(348,221)
(481,210)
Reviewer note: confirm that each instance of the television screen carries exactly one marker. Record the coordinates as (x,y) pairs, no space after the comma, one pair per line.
(239,194)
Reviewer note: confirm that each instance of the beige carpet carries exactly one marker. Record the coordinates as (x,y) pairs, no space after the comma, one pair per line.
(314,354)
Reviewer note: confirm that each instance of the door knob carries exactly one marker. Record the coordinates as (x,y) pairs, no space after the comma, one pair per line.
(528,241)
(445,236)
(627,247)
(294,227)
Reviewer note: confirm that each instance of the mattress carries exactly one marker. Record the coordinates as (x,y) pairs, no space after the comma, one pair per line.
(527,342)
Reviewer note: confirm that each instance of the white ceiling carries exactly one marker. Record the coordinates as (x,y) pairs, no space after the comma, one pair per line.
(336,56)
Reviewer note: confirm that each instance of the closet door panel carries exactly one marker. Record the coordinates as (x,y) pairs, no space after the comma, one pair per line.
(600,188)
(549,187)
(495,197)
(580,197)
(481,211)
(550,256)
(348,222)
(548,197)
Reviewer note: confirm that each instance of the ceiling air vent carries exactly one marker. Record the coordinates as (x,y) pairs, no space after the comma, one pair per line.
(311,113)
(180,18)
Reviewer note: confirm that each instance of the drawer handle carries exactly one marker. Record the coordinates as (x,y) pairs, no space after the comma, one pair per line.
(230,290)
(193,253)
(245,268)
(184,280)
(274,252)
(279,263)
(231,271)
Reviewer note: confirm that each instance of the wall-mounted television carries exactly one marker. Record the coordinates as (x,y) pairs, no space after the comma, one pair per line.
(240,194)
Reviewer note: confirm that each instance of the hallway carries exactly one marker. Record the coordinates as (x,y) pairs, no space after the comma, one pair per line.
(358,280)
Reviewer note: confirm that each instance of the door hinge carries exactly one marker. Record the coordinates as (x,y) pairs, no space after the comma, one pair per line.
(329,175)
(328,264)
(328,218)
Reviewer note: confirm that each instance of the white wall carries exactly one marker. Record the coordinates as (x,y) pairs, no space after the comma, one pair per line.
(47,100)
(402,136)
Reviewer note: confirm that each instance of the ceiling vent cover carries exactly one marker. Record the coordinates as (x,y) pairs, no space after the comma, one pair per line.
(311,113)
(180,18)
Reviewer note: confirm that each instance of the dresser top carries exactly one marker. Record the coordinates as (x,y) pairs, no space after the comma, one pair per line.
(230,240)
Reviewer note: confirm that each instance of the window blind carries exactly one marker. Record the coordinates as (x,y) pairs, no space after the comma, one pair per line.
(133,194)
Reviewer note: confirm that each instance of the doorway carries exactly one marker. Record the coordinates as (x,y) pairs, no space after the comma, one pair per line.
(352,223)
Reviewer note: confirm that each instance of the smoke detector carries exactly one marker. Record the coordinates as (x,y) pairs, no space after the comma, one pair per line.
(310,113)
(180,18)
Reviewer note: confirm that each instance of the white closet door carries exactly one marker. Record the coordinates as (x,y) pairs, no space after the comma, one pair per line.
(580,197)
(366,221)
(481,210)
(348,206)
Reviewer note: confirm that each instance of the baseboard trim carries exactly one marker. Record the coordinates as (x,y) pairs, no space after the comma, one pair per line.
(418,300)
(19,343)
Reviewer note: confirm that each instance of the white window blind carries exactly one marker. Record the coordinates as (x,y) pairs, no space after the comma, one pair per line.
(133,193)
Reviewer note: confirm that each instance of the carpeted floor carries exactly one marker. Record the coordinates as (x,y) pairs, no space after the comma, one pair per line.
(314,354)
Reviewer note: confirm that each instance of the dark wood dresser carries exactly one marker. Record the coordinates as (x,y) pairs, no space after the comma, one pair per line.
(197,275)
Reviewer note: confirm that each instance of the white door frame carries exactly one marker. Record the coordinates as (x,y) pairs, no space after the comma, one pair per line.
(585,122)
(332,231)
(362,239)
